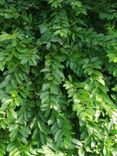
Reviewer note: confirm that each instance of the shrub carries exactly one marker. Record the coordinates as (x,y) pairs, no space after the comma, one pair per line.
(58,78)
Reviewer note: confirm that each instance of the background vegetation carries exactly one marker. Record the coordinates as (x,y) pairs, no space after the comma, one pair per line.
(58,78)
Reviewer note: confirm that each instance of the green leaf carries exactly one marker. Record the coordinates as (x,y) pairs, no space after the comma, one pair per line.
(81,152)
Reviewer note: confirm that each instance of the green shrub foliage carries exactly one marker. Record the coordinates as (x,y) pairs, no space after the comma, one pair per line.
(58,78)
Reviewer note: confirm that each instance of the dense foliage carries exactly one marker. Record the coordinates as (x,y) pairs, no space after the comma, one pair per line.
(58,78)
